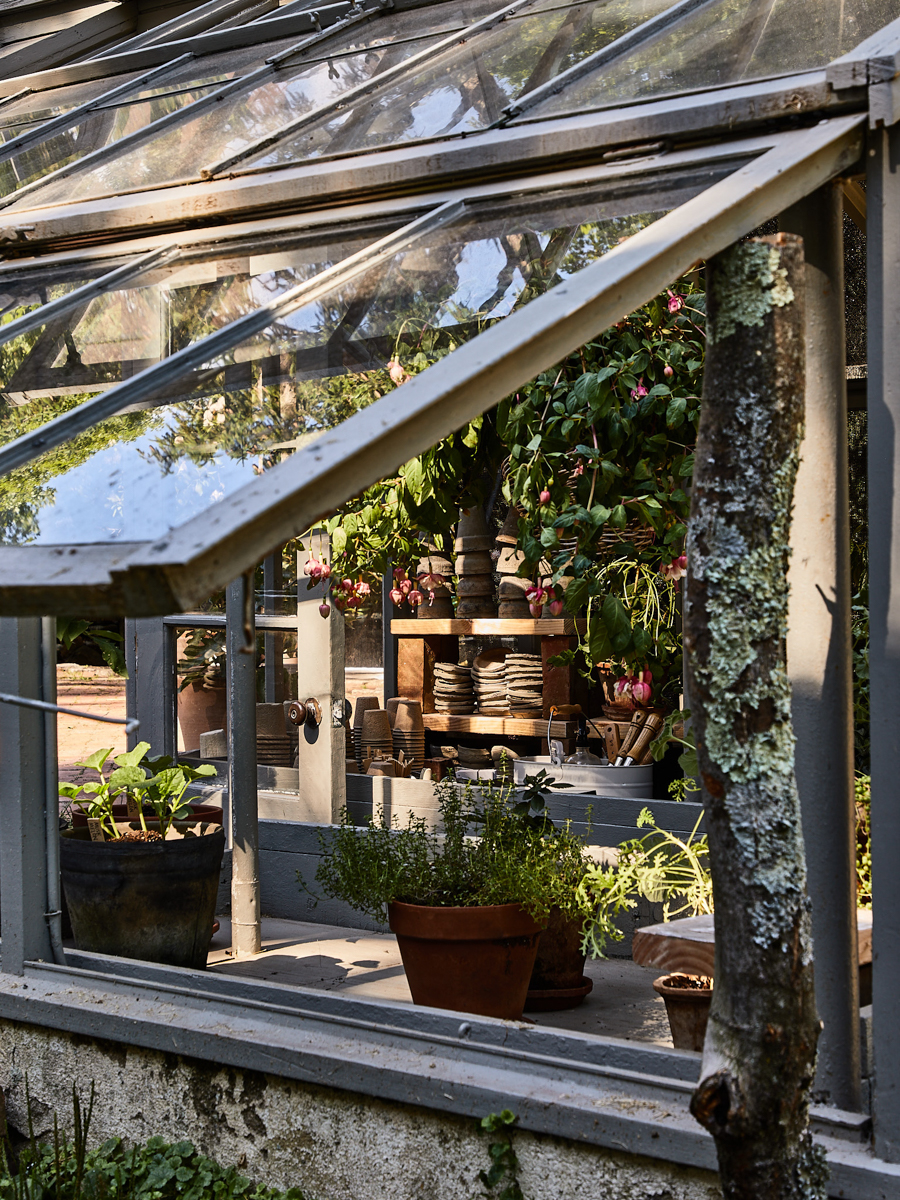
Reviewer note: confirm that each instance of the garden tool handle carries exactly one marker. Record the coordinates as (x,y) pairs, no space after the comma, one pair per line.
(649,730)
(631,734)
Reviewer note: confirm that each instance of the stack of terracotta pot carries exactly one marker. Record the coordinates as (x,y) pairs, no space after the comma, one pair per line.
(513,601)
(377,739)
(438,572)
(364,704)
(409,733)
(274,745)
(474,566)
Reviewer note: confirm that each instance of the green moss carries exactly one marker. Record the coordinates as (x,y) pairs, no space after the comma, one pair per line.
(750,285)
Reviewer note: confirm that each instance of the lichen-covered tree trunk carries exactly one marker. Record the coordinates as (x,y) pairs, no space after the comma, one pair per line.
(759,1057)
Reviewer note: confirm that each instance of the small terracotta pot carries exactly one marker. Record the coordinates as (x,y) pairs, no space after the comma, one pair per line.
(688,1012)
(477,960)
(363,705)
(409,717)
(376,727)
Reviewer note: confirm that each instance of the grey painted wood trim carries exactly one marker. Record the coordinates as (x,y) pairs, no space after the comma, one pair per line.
(494,154)
(875,60)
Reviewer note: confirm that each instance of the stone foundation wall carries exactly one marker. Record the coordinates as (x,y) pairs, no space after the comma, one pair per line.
(334,1145)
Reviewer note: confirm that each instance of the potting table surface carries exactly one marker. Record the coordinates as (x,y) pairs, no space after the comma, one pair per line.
(358,962)
(688,945)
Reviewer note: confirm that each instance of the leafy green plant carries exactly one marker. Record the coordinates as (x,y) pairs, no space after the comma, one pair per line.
(503,1173)
(203,659)
(157,785)
(661,867)
(157,1170)
(863,796)
(110,644)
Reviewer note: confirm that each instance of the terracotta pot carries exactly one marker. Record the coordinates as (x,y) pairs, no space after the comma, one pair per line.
(560,961)
(376,728)
(363,705)
(687,1009)
(476,960)
(199,710)
(409,717)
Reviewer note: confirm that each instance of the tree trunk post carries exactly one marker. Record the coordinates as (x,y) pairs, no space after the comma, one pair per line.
(760,1053)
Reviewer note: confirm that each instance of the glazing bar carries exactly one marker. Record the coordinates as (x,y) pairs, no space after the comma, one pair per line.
(115,149)
(96,287)
(153,379)
(346,99)
(628,41)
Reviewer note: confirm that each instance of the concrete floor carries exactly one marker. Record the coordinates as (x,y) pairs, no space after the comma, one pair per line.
(358,963)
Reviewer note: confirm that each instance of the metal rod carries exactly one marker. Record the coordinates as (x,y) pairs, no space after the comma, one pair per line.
(153,379)
(51,787)
(242,781)
(883,403)
(187,25)
(345,99)
(115,149)
(88,291)
(72,116)
(622,45)
(130,723)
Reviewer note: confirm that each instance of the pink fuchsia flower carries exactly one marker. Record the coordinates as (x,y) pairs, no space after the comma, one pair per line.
(363,589)
(545,497)
(415,598)
(578,469)
(396,372)
(535,594)
(405,586)
(676,302)
(396,596)
(668,371)
(340,602)
(346,585)
(325,609)
(624,686)
(639,391)
(316,570)
(676,569)
(556,607)
(399,573)
(536,610)
(641,692)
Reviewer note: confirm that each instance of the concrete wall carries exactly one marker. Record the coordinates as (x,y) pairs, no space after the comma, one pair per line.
(332,1144)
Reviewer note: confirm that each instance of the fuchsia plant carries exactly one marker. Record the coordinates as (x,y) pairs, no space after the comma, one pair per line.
(635,688)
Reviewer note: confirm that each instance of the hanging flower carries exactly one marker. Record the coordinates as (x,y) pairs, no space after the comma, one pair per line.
(399,573)
(668,371)
(641,692)
(676,302)
(536,610)
(578,469)
(405,586)
(415,598)
(362,588)
(324,609)
(396,596)
(676,569)
(396,372)
(624,687)
(556,607)
(544,497)
(640,391)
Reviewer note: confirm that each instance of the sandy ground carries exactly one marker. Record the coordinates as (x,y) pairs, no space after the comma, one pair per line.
(94,690)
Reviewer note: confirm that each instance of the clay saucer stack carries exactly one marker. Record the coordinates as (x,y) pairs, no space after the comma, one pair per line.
(489,677)
(377,741)
(453,692)
(409,733)
(524,684)
(274,745)
(474,566)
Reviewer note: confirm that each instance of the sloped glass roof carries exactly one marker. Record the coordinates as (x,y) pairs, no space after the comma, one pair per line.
(220,422)
(727,42)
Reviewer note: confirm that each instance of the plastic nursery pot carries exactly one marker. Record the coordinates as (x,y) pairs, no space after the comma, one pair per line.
(199,812)
(475,960)
(687,1007)
(154,901)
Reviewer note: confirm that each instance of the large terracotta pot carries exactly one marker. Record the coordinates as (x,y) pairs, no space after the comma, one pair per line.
(199,710)
(154,901)
(476,960)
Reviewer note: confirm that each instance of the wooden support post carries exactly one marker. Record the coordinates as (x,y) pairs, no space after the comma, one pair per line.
(242,785)
(323,749)
(819,649)
(23,847)
(883,250)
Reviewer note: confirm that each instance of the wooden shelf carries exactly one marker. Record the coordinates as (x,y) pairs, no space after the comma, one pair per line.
(524,727)
(488,626)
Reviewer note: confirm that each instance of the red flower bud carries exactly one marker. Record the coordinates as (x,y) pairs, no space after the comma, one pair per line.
(324,609)
(545,497)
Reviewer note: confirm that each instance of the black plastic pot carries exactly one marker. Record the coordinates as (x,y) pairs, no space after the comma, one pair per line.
(154,901)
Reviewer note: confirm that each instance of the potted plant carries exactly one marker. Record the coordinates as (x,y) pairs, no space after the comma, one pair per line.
(143,887)
(201,692)
(467,910)
(669,870)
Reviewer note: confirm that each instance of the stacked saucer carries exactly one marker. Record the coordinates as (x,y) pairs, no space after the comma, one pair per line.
(376,734)
(453,691)
(409,733)
(489,677)
(524,684)
(363,705)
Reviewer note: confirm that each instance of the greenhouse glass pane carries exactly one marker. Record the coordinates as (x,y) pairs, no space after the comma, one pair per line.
(182,150)
(41,106)
(727,42)
(467,87)
(138,474)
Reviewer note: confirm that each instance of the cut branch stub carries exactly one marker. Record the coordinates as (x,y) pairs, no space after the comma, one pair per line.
(759,1057)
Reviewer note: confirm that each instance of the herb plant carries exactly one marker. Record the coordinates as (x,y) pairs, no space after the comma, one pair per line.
(661,867)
